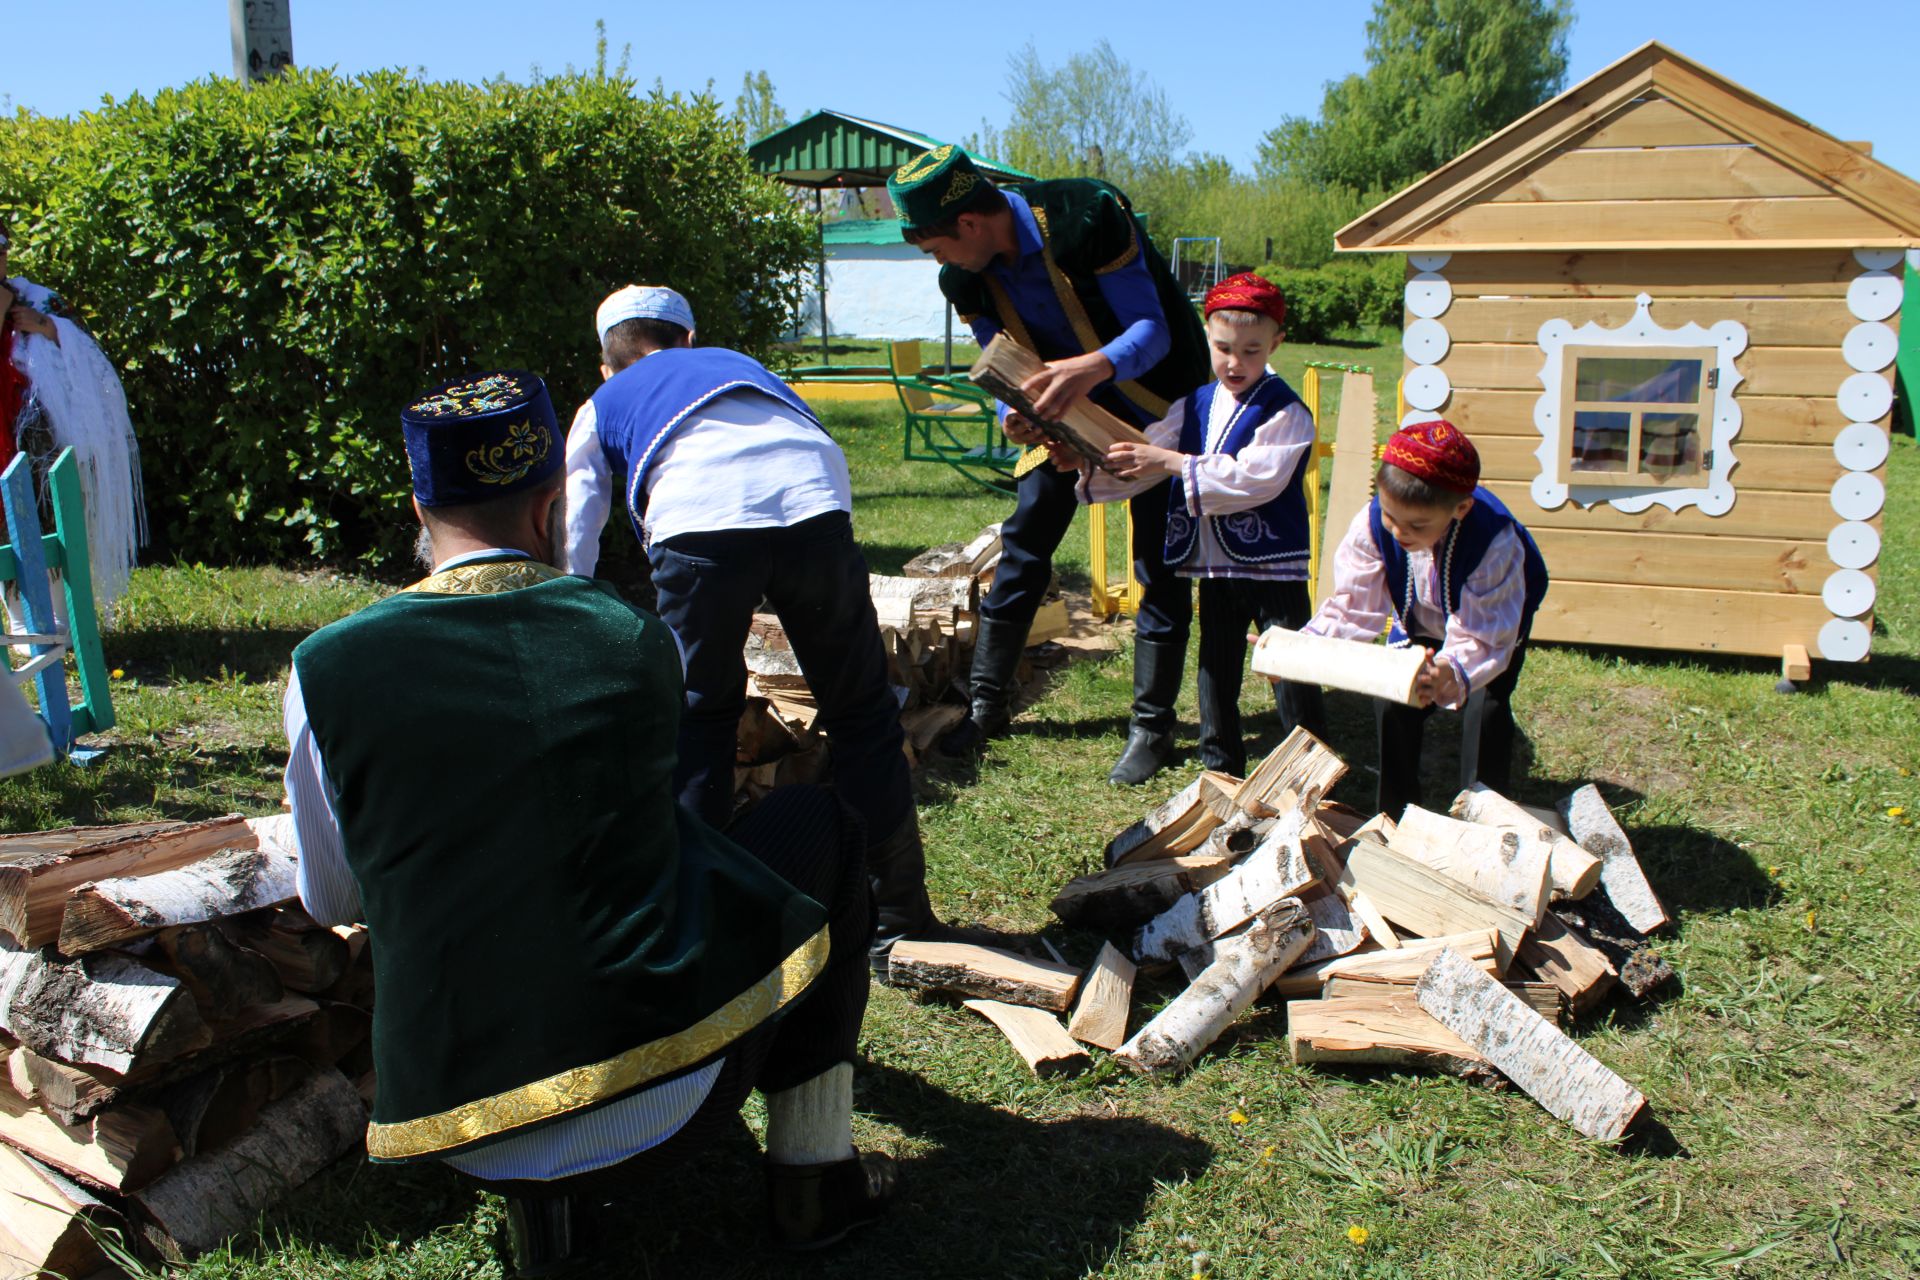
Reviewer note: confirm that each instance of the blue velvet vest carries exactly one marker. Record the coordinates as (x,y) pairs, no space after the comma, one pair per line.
(637,409)
(1275,532)
(1459,553)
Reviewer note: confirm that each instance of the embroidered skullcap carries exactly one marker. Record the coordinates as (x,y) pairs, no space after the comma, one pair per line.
(642,302)
(936,186)
(1248,292)
(479,437)
(1437,452)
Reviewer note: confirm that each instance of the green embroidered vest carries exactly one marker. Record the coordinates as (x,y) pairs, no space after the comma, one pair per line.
(550,929)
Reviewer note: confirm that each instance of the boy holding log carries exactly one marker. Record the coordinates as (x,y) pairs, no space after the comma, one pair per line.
(1449,567)
(1233,452)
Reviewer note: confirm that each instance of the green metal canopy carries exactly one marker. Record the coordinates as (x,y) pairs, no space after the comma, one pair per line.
(832,149)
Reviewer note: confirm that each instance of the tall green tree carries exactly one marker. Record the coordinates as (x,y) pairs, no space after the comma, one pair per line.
(757,110)
(1441,76)
(1092,115)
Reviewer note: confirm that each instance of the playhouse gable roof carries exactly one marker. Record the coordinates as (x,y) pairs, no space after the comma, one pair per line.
(1652,152)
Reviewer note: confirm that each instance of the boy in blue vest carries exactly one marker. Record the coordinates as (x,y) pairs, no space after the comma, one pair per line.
(1446,564)
(1233,453)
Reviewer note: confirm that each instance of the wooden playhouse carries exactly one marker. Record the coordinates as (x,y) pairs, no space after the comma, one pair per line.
(1665,311)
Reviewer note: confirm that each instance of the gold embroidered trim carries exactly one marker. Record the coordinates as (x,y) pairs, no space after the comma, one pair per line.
(1133,251)
(957,189)
(486,579)
(1083,324)
(922,165)
(1030,460)
(526,447)
(582,1086)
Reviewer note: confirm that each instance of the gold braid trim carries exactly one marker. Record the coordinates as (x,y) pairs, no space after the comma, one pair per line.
(1082,324)
(598,1081)
(1133,251)
(1017,330)
(487,578)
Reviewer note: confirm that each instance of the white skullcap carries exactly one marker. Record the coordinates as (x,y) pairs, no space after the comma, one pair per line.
(642,302)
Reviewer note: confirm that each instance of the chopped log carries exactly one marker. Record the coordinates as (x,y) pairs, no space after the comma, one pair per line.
(1295,775)
(1387,1029)
(1036,1036)
(925,725)
(1542,997)
(66,1093)
(987,972)
(1050,622)
(1407,963)
(1106,998)
(1243,964)
(307,956)
(214,1108)
(1571,871)
(1532,1052)
(102,1010)
(1505,865)
(1336,929)
(1329,854)
(1277,869)
(223,977)
(1174,827)
(1429,903)
(1596,921)
(1236,836)
(957,560)
(1109,901)
(44,1220)
(107,912)
(35,879)
(336,1031)
(207,1198)
(1374,670)
(121,1148)
(1591,823)
(1578,969)
(927,599)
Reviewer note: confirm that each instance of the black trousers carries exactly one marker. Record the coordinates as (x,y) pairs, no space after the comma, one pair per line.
(1227,607)
(1486,737)
(818,845)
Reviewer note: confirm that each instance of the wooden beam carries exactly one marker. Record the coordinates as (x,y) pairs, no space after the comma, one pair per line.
(1504,864)
(1756,514)
(1429,903)
(1572,872)
(1772,565)
(1654,122)
(1787,468)
(1277,869)
(987,972)
(1387,1029)
(1710,273)
(1036,1036)
(1770,322)
(1807,420)
(1372,670)
(1795,665)
(1662,173)
(1532,1052)
(1657,224)
(1804,371)
(1678,618)
(1106,998)
(1592,823)
(34,884)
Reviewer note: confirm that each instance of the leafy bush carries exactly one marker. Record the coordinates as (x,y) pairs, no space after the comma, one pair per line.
(1341,296)
(1206,198)
(278,270)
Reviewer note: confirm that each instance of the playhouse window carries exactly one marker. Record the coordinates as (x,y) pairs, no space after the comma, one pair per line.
(1640,415)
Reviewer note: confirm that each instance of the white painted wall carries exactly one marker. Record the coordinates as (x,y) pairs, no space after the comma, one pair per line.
(880,291)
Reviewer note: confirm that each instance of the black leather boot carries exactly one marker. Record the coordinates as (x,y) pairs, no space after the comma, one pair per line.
(544,1235)
(897,869)
(997,645)
(1158,668)
(810,1206)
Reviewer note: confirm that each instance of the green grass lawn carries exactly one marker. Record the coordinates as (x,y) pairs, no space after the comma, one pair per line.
(1782,1062)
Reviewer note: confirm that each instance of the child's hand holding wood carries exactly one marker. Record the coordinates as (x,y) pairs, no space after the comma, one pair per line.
(1138,461)
(1438,682)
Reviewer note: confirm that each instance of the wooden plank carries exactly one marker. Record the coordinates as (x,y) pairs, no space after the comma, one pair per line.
(1380,1029)
(1276,869)
(44,1221)
(987,972)
(1670,560)
(1653,122)
(1607,613)
(1429,903)
(1587,224)
(1755,514)
(1036,1036)
(1592,823)
(34,885)
(1813,420)
(1106,998)
(1795,665)
(1708,273)
(1356,435)
(1109,901)
(1766,371)
(1785,468)
(1770,322)
(1532,1052)
(1727,171)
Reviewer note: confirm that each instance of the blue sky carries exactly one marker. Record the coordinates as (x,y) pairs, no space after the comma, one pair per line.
(1232,69)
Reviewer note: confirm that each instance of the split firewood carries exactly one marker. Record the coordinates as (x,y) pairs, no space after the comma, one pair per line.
(1428,903)
(1406,963)
(1542,997)
(120,1148)
(930,599)
(1243,964)
(334,1033)
(307,956)
(1109,901)
(1598,923)
(987,972)
(67,1093)
(45,1220)
(1374,670)
(1532,1052)
(1297,774)
(924,726)
(108,912)
(1579,970)
(36,877)
(216,1107)
(204,1199)
(1174,827)
(1327,847)
(1050,622)
(1106,998)
(1277,869)
(1591,823)
(1387,1029)
(1036,1036)
(1337,931)
(223,977)
(1571,871)
(102,1010)
(957,560)
(1505,865)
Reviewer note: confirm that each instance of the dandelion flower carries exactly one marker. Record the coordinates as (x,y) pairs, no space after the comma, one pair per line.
(1357,1234)
(1266,1155)
(1810,916)
(1237,1116)
(1896,811)
(1773,871)
(118,673)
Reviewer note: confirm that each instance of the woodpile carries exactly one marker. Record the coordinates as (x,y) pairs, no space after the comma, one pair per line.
(1466,943)
(182,1044)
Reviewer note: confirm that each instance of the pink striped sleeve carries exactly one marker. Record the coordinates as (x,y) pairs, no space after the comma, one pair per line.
(1482,634)
(1358,609)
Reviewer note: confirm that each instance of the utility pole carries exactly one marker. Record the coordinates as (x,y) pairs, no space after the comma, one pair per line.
(262,38)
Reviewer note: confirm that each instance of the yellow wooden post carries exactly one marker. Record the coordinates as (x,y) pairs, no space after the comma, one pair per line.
(1110,597)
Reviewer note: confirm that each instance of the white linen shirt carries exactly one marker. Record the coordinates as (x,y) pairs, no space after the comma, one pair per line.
(741,461)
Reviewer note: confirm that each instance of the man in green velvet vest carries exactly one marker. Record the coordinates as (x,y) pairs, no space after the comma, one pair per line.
(577,978)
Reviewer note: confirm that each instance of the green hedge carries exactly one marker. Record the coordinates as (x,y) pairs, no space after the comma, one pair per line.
(277,270)
(1344,295)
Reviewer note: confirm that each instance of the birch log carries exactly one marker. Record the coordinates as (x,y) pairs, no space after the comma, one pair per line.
(1571,870)
(1405,964)
(1337,931)
(44,1221)
(1297,774)
(1428,903)
(1176,826)
(223,977)
(986,972)
(105,1011)
(1243,964)
(1125,896)
(1356,666)
(108,912)
(1277,869)
(1506,865)
(35,879)
(1591,823)
(1532,1052)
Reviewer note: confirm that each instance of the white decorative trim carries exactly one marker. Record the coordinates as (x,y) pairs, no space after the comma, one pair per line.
(1858,495)
(1853,544)
(1425,341)
(1715,497)
(1844,640)
(1847,593)
(1877,259)
(1429,295)
(1861,446)
(1870,346)
(1427,387)
(1865,397)
(1429,261)
(1874,295)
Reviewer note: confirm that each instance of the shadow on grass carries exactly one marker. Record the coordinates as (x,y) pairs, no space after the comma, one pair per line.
(1896,672)
(179,654)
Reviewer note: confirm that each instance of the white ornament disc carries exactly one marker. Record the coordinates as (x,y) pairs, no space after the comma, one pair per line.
(1429,295)
(1877,259)
(1874,295)
(1429,261)
(1858,495)
(1870,346)
(1427,387)
(1913,259)
(1865,397)
(1425,342)
(1860,446)
(1844,640)
(1853,545)
(1848,593)
(1416,416)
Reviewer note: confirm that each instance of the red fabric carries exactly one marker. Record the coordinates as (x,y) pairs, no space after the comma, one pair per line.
(1438,452)
(1248,292)
(13,392)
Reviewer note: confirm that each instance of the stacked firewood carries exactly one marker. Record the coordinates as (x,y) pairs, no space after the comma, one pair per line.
(1464,942)
(182,1044)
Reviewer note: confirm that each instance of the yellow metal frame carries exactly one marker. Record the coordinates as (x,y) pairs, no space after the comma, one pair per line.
(1110,597)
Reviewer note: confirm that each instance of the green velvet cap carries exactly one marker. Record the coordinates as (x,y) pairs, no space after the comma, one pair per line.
(935,187)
